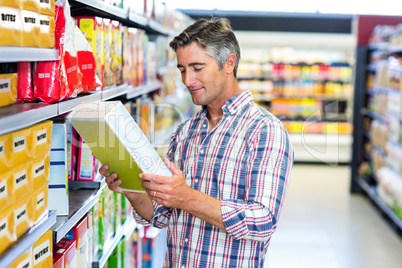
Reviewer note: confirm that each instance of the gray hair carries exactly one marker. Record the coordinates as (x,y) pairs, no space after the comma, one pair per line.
(215,35)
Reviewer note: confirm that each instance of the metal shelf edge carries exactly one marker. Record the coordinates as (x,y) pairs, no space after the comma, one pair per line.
(114,91)
(17,54)
(133,92)
(68,105)
(31,237)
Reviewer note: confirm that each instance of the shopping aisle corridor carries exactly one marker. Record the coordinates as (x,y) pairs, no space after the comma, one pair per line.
(323,226)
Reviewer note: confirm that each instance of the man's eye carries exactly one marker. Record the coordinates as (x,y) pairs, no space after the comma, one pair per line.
(197,69)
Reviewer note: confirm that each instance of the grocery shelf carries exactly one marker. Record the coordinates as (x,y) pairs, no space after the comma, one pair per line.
(21,115)
(28,239)
(114,91)
(384,208)
(80,202)
(124,230)
(16,54)
(101,6)
(133,92)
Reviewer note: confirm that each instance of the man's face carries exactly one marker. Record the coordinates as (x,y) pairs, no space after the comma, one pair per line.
(201,75)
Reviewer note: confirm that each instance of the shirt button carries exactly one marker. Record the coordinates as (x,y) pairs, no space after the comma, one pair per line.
(186,240)
(202,151)
(183,266)
(205,125)
(196,180)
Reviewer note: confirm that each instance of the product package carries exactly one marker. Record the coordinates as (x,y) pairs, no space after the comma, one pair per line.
(39,199)
(7,232)
(58,259)
(46,30)
(30,28)
(8,89)
(22,180)
(94,247)
(5,152)
(25,84)
(47,7)
(66,248)
(87,163)
(58,186)
(116,53)
(72,151)
(21,146)
(107,50)
(40,171)
(42,136)
(11,26)
(79,234)
(23,215)
(90,237)
(24,260)
(42,251)
(32,5)
(6,190)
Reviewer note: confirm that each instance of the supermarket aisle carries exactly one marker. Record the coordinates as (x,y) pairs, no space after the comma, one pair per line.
(324,226)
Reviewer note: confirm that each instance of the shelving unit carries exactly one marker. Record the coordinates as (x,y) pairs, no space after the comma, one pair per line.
(363,167)
(82,195)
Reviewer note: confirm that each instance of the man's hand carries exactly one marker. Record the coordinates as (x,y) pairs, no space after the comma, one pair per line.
(172,191)
(110,179)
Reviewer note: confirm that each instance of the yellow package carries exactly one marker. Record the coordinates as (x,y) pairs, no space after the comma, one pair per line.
(22,181)
(21,146)
(24,260)
(23,214)
(10,3)
(7,229)
(5,153)
(42,137)
(47,7)
(10,27)
(40,171)
(6,190)
(30,28)
(39,199)
(42,251)
(32,5)
(8,87)
(46,31)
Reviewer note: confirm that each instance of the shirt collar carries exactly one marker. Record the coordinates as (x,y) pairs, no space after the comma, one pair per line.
(234,104)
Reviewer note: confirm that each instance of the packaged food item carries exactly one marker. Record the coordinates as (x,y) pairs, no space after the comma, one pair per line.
(24,260)
(25,86)
(22,180)
(6,190)
(10,26)
(107,50)
(47,7)
(87,164)
(7,230)
(11,3)
(46,31)
(23,215)
(39,200)
(21,146)
(31,5)
(40,171)
(8,89)
(117,50)
(79,234)
(42,136)
(42,251)
(30,28)
(66,248)
(5,152)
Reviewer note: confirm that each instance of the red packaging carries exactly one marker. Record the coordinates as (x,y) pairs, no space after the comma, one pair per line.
(68,249)
(24,86)
(86,64)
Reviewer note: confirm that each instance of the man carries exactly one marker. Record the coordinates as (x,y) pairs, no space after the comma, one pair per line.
(231,162)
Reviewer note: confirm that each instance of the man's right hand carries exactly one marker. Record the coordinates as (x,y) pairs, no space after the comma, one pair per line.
(110,179)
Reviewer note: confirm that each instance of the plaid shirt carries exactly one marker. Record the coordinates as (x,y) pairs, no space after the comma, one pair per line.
(245,162)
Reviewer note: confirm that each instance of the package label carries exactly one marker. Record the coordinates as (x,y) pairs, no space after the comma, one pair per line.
(27,263)
(41,137)
(41,252)
(19,143)
(4,228)
(9,18)
(1,148)
(21,178)
(21,214)
(3,189)
(45,4)
(44,24)
(30,20)
(40,201)
(39,169)
(5,85)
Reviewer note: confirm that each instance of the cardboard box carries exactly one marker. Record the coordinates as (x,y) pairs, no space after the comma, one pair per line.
(22,181)
(5,153)
(47,7)
(79,234)
(40,201)
(90,237)
(21,146)
(24,260)
(86,163)
(58,260)
(42,137)
(8,88)
(42,251)
(6,190)
(23,214)
(7,229)
(30,28)
(67,248)
(58,186)
(32,5)
(40,169)
(10,28)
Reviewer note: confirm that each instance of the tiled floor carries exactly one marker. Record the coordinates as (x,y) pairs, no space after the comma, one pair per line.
(324,226)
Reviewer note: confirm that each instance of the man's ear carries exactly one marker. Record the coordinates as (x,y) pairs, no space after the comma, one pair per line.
(230,63)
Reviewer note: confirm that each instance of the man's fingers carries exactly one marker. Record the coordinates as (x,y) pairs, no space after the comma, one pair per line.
(171,166)
(103,170)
